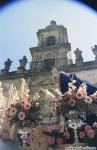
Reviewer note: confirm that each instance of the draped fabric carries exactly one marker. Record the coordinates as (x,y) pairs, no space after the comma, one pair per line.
(66,78)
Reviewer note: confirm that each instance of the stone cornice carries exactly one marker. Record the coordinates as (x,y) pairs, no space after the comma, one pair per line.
(49,28)
(91,65)
(50,48)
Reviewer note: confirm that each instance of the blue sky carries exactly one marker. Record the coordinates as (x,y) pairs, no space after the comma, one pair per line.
(20,21)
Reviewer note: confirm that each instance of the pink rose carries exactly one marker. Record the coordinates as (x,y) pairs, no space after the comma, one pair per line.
(59,140)
(67,135)
(91,134)
(27,105)
(29,140)
(72,102)
(82,134)
(50,140)
(6,135)
(88,127)
(21,115)
(79,95)
(95,124)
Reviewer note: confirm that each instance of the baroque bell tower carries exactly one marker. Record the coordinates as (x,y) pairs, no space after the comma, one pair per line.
(52,49)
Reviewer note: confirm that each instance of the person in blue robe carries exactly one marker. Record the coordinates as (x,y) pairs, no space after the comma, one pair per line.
(66,78)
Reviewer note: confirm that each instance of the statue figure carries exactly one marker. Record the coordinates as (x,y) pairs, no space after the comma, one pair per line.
(78,55)
(95,51)
(23,62)
(7,65)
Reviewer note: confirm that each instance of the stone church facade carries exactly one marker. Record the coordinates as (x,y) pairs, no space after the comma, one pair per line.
(53,50)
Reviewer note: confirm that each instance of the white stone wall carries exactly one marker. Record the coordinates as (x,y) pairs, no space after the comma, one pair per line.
(88,75)
(70,58)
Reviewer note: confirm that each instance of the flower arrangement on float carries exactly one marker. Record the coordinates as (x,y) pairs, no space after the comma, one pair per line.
(22,116)
(23,113)
(88,134)
(56,136)
(76,99)
(73,105)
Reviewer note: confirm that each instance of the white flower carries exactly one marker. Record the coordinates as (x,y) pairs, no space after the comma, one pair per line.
(49,95)
(36,96)
(88,100)
(57,92)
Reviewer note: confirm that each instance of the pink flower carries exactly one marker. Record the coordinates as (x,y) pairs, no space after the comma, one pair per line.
(58,127)
(6,135)
(95,124)
(12,111)
(88,127)
(82,134)
(29,139)
(73,81)
(91,134)
(59,140)
(22,101)
(67,135)
(27,105)
(21,115)
(72,102)
(79,95)
(50,140)
(47,129)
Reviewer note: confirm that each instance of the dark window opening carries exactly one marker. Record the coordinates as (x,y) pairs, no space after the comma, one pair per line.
(49,64)
(50,40)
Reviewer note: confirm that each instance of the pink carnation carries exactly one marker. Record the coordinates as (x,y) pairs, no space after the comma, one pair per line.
(95,124)
(59,140)
(91,134)
(21,115)
(67,135)
(88,127)
(72,102)
(29,139)
(27,105)
(79,95)
(47,129)
(50,140)
(82,134)
(6,135)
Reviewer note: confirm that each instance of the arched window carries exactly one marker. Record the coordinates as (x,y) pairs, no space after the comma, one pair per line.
(50,40)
